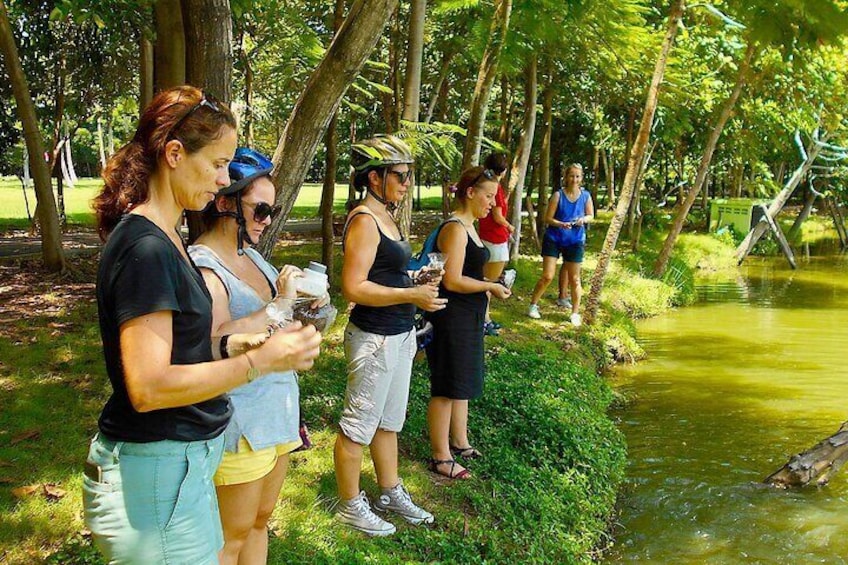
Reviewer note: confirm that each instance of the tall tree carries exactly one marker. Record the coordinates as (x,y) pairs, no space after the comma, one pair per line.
(209,46)
(706,159)
(51,236)
(522,154)
(412,90)
(485,78)
(319,100)
(640,145)
(328,191)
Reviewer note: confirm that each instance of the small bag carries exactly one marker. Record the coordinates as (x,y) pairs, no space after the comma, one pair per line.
(423,330)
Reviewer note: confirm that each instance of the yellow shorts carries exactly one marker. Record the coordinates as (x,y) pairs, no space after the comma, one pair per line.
(247,465)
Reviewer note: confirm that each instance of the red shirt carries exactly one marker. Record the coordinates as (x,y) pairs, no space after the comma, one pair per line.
(490,230)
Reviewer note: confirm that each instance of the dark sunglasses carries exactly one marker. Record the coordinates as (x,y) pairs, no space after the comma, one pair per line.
(402,176)
(488,173)
(262,210)
(207,101)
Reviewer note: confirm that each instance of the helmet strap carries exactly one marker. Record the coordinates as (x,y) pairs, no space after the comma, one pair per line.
(242,236)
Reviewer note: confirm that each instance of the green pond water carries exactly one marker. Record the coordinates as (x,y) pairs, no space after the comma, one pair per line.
(732,387)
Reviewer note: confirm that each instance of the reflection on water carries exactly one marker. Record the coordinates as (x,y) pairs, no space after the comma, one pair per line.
(733,386)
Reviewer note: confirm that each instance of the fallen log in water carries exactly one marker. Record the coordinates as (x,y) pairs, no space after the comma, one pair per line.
(817,464)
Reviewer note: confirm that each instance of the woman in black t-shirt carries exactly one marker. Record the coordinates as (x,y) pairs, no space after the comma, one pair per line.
(147,489)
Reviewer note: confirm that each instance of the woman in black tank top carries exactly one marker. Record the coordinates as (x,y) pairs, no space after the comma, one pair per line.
(379,339)
(456,353)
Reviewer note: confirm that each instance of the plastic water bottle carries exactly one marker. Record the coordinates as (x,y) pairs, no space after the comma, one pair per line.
(314,280)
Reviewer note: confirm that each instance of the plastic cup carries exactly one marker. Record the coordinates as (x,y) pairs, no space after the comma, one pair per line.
(437,260)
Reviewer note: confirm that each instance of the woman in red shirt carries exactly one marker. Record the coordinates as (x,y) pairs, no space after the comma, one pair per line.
(495,232)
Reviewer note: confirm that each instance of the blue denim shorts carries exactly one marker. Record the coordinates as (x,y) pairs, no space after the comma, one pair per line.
(570,253)
(153,502)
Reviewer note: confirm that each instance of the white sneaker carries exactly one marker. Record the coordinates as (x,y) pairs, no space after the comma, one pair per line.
(357,514)
(397,500)
(533,312)
(564,302)
(576,320)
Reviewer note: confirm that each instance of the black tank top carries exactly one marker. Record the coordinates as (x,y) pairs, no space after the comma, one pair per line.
(475,258)
(389,269)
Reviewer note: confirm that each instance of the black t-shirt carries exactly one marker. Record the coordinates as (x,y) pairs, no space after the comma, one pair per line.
(142,272)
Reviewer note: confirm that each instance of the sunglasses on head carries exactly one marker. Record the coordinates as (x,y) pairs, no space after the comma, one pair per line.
(263,210)
(488,173)
(206,100)
(402,176)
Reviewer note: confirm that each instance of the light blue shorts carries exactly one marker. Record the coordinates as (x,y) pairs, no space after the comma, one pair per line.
(153,502)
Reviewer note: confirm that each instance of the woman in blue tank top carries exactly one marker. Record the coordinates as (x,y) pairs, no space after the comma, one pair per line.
(264,428)
(569,211)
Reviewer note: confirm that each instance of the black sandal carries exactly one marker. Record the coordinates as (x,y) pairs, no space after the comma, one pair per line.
(433,465)
(465,452)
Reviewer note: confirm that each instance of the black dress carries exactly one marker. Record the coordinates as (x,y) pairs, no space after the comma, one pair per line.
(455,354)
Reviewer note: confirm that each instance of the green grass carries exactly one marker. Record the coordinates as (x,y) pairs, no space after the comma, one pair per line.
(544,492)
(13,207)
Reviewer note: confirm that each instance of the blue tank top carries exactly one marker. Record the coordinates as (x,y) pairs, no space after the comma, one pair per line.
(568,211)
(266,411)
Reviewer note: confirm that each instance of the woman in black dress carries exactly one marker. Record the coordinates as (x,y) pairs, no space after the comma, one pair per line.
(455,355)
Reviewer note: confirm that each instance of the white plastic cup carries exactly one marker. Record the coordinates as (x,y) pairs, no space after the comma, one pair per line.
(314,280)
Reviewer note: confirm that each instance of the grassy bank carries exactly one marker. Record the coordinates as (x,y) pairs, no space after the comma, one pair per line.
(544,491)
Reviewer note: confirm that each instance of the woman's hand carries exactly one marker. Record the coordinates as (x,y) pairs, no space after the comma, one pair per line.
(500,291)
(287,281)
(239,343)
(426,297)
(294,347)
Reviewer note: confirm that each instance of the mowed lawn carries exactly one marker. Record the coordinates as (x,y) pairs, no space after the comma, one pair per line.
(13,206)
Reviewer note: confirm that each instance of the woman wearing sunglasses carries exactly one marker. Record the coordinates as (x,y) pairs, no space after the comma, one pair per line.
(379,338)
(456,355)
(147,490)
(264,427)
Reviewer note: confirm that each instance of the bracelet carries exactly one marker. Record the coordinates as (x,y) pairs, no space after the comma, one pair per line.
(252,373)
(223,348)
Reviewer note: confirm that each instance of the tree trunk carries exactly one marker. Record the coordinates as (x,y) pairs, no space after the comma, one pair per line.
(819,463)
(248,115)
(780,200)
(209,46)
(145,71)
(412,92)
(319,100)
(169,52)
(522,153)
(809,200)
(328,191)
(439,92)
(596,171)
(636,156)
(209,62)
(51,236)
(505,135)
(634,226)
(706,159)
(485,78)
(545,153)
